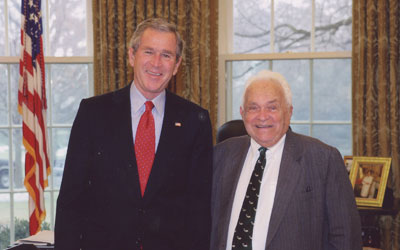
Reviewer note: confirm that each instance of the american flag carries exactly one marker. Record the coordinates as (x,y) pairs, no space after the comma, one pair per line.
(32,107)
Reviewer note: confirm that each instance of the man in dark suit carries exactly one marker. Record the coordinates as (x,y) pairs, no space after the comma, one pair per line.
(276,189)
(129,184)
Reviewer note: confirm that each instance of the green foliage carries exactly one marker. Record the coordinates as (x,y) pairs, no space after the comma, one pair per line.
(21,231)
(4,236)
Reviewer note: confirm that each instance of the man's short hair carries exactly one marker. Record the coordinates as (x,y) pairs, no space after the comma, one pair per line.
(270,76)
(158,24)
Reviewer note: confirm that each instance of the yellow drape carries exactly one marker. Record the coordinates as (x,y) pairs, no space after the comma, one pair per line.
(376,93)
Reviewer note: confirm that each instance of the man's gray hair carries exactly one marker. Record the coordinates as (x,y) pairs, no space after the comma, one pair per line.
(158,24)
(270,76)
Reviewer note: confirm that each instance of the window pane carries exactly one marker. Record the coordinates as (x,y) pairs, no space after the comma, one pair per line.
(292,25)
(241,71)
(21,215)
(47,204)
(4,220)
(4,160)
(333,25)
(18,159)
(70,83)
(338,136)
(2,32)
(251,26)
(14,27)
(55,197)
(68,28)
(332,90)
(3,95)
(14,78)
(297,74)
(301,129)
(60,144)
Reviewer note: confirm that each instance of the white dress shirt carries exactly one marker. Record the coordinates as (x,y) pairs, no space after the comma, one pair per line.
(267,192)
(138,108)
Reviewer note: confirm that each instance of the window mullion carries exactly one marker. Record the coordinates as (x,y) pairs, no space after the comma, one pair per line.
(311,96)
(50,142)
(229,91)
(10,157)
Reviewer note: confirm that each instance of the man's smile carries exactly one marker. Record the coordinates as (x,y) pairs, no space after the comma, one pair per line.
(153,73)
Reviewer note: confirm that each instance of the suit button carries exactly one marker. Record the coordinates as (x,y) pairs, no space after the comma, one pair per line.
(141,211)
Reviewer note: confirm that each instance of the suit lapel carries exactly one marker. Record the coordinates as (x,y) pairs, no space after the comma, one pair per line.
(124,136)
(230,179)
(289,173)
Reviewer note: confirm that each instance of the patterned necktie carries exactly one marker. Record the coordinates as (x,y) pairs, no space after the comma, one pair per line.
(242,238)
(145,145)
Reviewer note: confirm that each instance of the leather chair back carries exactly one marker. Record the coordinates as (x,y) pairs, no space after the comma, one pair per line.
(230,129)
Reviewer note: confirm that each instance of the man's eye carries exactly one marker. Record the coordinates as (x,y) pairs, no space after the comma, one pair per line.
(148,52)
(273,108)
(252,108)
(167,56)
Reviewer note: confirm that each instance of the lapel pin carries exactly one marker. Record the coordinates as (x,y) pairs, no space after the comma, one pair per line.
(178,124)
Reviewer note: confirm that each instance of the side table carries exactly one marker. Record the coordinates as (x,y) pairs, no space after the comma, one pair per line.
(369,216)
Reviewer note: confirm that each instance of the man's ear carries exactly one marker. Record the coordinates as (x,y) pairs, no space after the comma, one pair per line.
(241,112)
(177,66)
(131,55)
(291,110)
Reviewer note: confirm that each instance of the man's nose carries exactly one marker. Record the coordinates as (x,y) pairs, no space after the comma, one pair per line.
(264,114)
(156,60)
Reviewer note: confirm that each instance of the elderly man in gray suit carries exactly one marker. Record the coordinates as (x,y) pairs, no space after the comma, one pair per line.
(276,189)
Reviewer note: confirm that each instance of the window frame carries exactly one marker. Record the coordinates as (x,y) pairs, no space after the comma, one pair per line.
(49,61)
(226,55)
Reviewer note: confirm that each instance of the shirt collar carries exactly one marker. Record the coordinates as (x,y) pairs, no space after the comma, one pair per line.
(254,146)
(137,100)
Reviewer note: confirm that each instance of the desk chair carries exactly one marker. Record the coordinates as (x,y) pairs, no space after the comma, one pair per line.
(230,129)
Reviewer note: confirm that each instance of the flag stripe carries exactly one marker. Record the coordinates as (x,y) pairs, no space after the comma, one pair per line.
(32,107)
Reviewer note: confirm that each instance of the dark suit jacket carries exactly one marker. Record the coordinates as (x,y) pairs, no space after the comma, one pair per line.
(100,205)
(314,206)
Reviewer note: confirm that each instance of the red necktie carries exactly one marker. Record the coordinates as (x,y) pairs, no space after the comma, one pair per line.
(145,145)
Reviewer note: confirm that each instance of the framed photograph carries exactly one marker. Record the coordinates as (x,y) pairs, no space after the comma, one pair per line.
(348,162)
(369,176)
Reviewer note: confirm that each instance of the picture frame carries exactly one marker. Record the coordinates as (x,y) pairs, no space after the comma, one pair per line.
(368,177)
(348,162)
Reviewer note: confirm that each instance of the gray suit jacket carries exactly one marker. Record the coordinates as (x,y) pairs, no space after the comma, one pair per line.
(314,206)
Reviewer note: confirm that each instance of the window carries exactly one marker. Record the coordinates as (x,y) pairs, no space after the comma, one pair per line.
(307,41)
(68,57)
